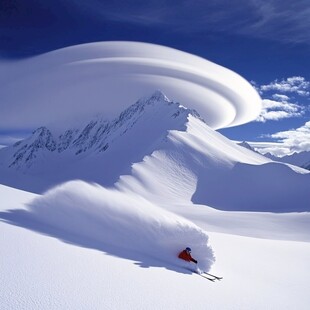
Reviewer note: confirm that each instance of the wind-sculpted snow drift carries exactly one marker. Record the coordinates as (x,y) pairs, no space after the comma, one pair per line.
(93,214)
(105,77)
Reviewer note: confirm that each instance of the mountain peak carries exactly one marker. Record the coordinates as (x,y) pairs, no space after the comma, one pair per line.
(155,112)
(246,145)
(158,95)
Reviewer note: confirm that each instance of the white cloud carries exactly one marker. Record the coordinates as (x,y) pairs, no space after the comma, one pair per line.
(294,84)
(278,97)
(301,132)
(81,81)
(277,110)
(286,106)
(284,99)
(287,142)
(274,148)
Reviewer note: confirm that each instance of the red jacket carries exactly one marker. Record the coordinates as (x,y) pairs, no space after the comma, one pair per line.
(186,256)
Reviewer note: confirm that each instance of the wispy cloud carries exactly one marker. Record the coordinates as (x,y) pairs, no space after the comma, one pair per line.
(281,98)
(70,22)
(9,139)
(286,21)
(275,20)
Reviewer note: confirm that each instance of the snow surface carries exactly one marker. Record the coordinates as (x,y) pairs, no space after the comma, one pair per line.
(84,246)
(53,267)
(160,150)
(96,217)
(204,167)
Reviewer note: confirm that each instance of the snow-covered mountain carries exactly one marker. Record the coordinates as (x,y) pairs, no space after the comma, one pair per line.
(94,138)
(157,148)
(301,159)
(246,145)
(94,216)
(80,245)
(100,151)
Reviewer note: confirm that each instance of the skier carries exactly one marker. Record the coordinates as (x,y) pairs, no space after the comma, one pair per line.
(186,255)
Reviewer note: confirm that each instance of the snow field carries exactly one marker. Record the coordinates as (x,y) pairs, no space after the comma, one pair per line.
(121,224)
(61,268)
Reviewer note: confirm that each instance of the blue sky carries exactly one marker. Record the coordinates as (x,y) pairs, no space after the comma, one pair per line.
(267,42)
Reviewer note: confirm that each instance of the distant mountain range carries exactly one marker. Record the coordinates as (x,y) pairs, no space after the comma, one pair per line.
(157,148)
(301,159)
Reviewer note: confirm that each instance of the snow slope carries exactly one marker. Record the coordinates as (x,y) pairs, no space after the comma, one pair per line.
(108,205)
(96,217)
(160,150)
(74,266)
(84,246)
(199,165)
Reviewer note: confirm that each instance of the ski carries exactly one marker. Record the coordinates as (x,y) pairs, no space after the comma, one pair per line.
(206,277)
(212,275)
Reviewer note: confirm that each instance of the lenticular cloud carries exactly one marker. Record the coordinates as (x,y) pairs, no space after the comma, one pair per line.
(107,77)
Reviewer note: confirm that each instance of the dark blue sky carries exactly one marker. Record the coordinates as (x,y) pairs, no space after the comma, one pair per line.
(262,41)
(237,34)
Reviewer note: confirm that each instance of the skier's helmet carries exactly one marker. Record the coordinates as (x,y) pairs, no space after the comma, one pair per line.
(188,249)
